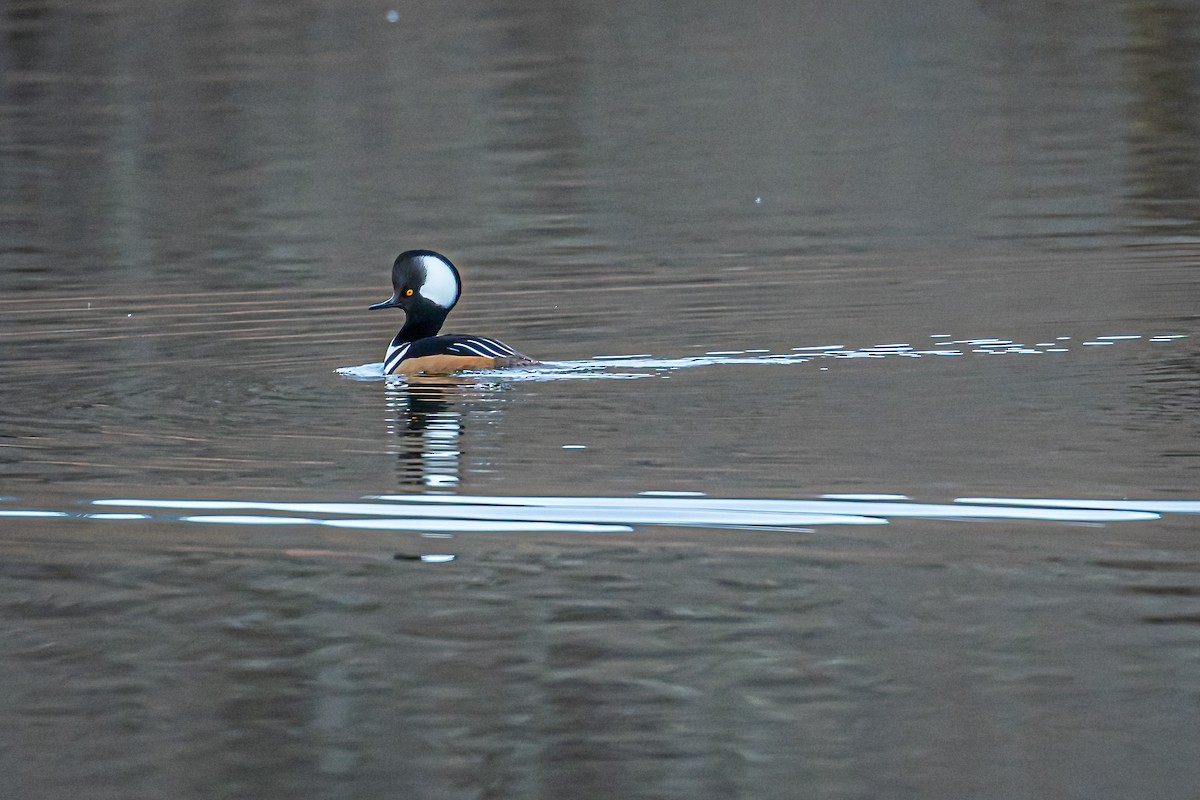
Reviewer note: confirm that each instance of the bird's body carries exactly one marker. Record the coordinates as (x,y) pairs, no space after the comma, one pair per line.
(426,286)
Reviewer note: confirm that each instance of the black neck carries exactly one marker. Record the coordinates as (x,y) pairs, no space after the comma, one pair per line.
(421,325)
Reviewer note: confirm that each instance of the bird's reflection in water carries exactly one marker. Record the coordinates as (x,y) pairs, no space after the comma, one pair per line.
(431,418)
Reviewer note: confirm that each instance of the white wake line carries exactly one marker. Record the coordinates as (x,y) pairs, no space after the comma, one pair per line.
(673,511)
(798,507)
(1156,506)
(414,525)
(609,514)
(639,514)
(449,513)
(600,366)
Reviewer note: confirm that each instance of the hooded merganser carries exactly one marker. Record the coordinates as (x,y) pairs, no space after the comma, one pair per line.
(426,285)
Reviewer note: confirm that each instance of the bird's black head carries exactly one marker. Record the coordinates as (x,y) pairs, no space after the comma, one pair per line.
(422,277)
(426,286)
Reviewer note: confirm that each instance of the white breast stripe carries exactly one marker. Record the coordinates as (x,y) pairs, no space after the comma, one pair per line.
(441,284)
(395,355)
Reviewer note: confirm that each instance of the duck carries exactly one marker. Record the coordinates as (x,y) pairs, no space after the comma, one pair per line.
(426,286)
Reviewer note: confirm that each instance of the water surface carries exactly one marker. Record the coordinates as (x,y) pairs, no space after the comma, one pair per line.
(864,462)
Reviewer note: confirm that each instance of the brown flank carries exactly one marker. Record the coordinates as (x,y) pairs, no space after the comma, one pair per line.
(442,364)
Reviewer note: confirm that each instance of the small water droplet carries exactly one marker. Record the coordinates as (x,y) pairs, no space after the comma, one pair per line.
(393,16)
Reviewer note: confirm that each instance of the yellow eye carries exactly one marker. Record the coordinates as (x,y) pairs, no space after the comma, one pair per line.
(408,292)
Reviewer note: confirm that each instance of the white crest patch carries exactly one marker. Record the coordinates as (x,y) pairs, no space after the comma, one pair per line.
(441,284)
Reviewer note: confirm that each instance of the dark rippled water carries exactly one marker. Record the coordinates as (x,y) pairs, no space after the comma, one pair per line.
(864,462)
